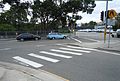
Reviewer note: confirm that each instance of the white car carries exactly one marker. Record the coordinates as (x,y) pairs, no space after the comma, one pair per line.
(118,33)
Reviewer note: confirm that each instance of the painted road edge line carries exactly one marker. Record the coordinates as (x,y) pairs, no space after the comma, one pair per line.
(76,40)
(5,49)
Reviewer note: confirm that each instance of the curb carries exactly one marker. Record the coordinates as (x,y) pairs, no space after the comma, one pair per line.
(36,73)
(107,49)
(112,49)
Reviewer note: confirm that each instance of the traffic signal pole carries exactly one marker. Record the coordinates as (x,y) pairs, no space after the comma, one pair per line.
(106,21)
(106,25)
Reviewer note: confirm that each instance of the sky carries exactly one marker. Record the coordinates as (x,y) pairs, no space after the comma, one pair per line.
(95,16)
(100,6)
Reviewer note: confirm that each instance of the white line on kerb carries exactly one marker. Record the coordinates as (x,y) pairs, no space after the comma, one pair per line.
(77,40)
(4,49)
(112,53)
(68,52)
(55,54)
(29,62)
(44,58)
(75,50)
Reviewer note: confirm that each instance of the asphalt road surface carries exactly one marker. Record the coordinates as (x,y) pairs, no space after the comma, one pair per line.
(72,62)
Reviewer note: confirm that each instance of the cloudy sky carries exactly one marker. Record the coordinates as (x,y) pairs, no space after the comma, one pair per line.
(100,6)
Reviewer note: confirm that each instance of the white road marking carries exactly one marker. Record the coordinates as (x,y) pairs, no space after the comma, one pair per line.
(75,50)
(68,38)
(29,62)
(44,58)
(54,54)
(82,48)
(68,52)
(39,45)
(113,53)
(5,49)
(77,40)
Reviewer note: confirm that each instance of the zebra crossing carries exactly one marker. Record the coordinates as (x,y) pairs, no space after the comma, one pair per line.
(66,52)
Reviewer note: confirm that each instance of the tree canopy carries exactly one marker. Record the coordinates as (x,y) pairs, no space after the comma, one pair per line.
(46,12)
(117,24)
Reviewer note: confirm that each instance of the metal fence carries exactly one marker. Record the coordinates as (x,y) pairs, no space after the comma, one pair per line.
(13,34)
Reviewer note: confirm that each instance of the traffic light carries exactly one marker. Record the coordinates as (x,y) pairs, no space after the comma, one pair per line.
(102,16)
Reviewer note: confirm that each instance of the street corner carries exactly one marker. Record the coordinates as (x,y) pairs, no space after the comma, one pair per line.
(14,72)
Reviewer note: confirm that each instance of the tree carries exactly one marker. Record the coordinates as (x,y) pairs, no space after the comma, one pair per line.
(45,12)
(16,16)
(117,24)
(6,27)
(89,25)
(11,2)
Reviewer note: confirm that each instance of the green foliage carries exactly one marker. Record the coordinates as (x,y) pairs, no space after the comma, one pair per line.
(63,30)
(117,24)
(89,25)
(115,27)
(49,13)
(6,27)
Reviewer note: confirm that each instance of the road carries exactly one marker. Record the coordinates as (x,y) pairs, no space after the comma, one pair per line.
(94,37)
(65,59)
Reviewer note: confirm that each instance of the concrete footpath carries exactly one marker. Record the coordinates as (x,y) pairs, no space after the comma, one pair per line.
(112,46)
(13,72)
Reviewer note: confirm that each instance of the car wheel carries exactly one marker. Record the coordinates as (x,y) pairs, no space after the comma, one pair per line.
(36,39)
(53,38)
(64,37)
(112,35)
(21,39)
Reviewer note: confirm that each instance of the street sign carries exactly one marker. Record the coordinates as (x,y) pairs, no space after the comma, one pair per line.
(112,14)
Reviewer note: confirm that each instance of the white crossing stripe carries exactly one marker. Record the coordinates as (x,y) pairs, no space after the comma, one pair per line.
(68,52)
(44,58)
(82,48)
(54,54)
(75,50)
(29,62)
(94,50)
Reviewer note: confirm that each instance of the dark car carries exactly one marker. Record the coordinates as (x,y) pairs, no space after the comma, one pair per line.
(27,36)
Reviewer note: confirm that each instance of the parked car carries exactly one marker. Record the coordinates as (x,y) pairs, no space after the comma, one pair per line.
(27,36)
(118,33)
(56,36)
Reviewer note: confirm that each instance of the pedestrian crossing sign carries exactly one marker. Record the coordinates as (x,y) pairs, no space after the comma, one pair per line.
(112,14)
